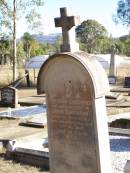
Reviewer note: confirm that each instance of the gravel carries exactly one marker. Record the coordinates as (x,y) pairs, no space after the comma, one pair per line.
(120,152)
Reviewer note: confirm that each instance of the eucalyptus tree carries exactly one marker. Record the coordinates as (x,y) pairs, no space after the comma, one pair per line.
(28,43)
(12,11)
(122,14)
(89,32)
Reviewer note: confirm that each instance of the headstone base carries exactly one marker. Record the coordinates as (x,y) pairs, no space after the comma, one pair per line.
(112,80)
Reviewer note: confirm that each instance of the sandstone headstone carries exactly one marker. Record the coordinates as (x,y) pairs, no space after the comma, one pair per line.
(9,97)
(68,23)
(75,85)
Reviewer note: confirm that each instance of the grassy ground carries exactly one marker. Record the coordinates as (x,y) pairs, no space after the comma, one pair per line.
(6,75)
(7,166)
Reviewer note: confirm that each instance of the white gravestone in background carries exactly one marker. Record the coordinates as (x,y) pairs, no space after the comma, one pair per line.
(112,70)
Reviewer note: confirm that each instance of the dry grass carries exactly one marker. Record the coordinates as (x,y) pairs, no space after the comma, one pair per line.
(8,166)
(117,110)
(6,74)
(122,72)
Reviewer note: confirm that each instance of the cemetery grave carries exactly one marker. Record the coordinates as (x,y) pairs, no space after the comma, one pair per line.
(77,122)
(63,98)
(74,101)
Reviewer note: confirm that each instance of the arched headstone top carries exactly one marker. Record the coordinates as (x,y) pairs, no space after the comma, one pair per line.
(85,62)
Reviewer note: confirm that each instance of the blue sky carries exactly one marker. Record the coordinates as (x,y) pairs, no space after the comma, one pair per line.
(100,10)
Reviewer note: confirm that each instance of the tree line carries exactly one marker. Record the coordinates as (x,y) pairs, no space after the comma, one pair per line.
(27,47)
(92,36)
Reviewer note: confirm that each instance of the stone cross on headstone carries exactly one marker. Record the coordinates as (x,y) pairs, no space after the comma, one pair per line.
(68,24)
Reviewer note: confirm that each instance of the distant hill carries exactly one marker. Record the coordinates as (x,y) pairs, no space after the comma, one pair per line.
(51,38)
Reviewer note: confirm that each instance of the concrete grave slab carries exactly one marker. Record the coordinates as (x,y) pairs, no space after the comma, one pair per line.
(115,96)
(25,112)
(32,100)
(119,131)
(30,152)
(38,121)
(33,147)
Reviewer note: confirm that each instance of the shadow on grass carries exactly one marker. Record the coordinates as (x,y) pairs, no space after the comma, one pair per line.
(45,170)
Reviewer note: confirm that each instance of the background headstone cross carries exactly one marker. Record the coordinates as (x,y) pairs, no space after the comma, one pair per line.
(68,24)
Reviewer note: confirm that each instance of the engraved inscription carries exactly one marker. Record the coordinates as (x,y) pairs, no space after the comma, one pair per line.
(71,120)
(8,95)
(73,133)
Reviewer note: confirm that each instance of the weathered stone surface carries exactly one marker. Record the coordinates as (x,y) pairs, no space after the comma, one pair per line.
(9,96)
(75,86)
(68,24)
(112,80)
(112,70)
